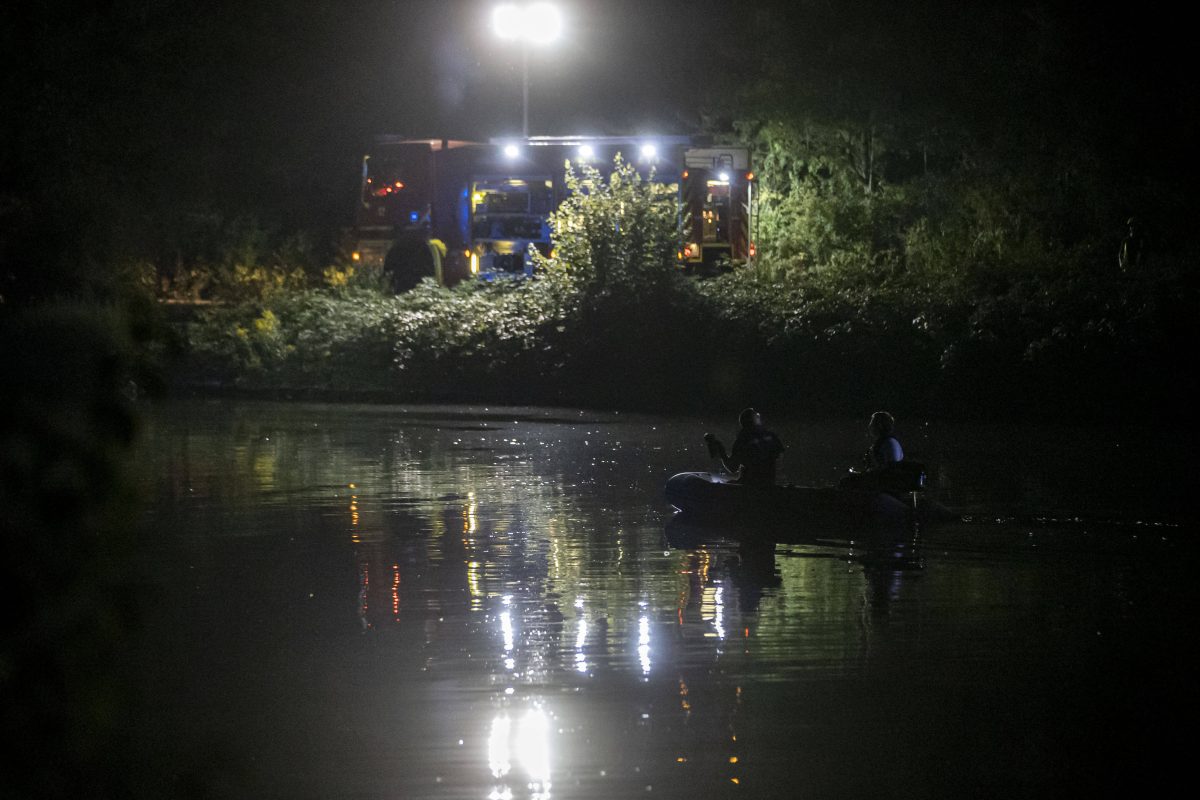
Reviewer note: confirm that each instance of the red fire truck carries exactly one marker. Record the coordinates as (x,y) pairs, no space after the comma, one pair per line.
(452,209)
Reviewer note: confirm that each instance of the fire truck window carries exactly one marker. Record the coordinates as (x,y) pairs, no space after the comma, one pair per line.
(390,178)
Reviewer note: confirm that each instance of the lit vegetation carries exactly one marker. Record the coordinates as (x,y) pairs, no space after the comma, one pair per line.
(962,314)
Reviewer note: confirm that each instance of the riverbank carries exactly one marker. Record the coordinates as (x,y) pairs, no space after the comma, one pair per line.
(1070,347)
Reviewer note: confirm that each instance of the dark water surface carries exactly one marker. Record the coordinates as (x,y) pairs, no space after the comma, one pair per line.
(387,602)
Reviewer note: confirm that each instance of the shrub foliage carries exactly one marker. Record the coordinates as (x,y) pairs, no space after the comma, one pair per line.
(860,299)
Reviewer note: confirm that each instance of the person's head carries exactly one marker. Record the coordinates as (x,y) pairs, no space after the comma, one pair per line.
(882,424)
(749,418)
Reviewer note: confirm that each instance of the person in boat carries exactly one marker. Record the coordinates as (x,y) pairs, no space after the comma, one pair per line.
(754,453)
(883,459)
(885,449)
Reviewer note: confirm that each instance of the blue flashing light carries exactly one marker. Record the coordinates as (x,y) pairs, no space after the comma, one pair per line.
(463,212)
(413,216)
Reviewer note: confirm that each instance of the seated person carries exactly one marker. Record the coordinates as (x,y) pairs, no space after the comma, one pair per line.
(754,453)
(885,450)
(886,468)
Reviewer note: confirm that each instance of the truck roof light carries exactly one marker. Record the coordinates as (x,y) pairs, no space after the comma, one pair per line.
(511,151)
(724,176)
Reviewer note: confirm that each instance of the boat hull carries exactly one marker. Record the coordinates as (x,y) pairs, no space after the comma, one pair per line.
(705,497)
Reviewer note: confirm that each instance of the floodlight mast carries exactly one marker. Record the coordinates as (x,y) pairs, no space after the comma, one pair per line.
(531,23)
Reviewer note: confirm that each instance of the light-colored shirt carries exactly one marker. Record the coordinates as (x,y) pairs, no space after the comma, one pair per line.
(885,451)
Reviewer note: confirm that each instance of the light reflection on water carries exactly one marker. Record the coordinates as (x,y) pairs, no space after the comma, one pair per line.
(381,602)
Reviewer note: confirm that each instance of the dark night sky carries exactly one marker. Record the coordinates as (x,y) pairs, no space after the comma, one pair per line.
(244,98)
(620,66)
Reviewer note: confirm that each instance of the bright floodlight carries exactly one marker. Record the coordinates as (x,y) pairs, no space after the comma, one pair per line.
(649,152)
(724,176)
(506,21)
(533,22)
(543,22)
(586,151)
(511,151)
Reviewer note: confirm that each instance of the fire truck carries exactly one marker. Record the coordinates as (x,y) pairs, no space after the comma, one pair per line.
(454,209)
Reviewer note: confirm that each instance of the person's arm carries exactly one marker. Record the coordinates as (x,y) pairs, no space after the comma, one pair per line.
(716,449)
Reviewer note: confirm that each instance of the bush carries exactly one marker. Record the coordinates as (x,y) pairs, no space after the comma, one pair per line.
(968,311)
(617,236)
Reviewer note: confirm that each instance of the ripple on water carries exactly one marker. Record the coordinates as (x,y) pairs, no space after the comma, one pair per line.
(382,602)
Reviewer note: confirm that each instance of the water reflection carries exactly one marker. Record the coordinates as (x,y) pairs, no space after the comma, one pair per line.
(747,563)
(489,600)
(643,648)
(528,746)
(887,567)
(581,663)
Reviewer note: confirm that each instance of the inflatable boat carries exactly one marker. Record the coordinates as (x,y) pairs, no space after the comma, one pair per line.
(705,496)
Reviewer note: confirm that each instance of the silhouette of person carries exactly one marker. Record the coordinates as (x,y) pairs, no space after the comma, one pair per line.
(883,459)
(885,449)
(754,452)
